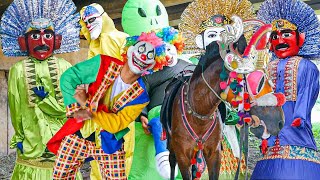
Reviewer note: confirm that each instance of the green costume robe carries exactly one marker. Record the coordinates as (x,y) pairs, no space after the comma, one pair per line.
(34,120)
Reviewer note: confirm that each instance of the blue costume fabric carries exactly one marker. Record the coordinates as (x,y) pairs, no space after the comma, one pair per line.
(293,153)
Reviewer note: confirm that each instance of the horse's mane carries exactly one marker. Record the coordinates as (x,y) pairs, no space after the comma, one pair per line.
(211,54)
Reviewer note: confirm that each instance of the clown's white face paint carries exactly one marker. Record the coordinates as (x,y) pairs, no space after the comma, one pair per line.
(141,57)
(171,55)
(209,35)
(94,25)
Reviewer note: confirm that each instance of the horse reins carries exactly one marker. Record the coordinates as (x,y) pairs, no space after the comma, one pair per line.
(243,135)
(188,126)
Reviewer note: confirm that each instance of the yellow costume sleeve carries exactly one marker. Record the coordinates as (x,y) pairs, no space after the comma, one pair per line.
(115,122)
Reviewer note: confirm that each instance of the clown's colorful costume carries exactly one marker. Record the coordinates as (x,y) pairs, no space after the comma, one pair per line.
(109,42)
(102,72)
(293,153)
(114,105)
(35,99)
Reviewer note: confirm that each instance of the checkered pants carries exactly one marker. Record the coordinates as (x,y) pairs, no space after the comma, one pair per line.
(74,150)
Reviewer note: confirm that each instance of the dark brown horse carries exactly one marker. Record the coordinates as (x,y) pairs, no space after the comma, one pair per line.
(196,103)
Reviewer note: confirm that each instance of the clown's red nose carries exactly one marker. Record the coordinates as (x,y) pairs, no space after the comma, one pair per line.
(167,57)
(143,57)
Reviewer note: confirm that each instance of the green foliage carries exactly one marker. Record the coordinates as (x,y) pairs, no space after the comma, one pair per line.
(316,133)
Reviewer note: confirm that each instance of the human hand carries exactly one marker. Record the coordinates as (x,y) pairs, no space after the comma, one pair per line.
(82,115)
(20,146)
(144,122)
(81,95)
(40,92)
(298,123)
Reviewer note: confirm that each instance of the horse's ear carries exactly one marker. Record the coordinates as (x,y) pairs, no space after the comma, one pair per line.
(199,41)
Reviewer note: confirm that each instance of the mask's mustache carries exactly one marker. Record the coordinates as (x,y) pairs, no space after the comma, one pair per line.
(42,48)
(279,46)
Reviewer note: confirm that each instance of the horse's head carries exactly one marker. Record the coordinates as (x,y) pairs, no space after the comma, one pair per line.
(266,113)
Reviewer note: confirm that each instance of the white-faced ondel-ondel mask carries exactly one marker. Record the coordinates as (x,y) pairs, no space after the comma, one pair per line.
(141,57)
(92,16)
(171,55)
(209,35)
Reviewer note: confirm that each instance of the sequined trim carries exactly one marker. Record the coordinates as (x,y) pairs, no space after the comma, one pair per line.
(30,73)
(292,152)
(290,76)
(130,94)
(43,163)
(55,74)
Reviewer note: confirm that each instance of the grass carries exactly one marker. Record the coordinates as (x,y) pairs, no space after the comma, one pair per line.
(316,133)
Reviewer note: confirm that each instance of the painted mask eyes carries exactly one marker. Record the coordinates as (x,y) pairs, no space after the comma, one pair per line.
(35,36)
(141,12)
(48,35)
(142,49)
(91,20)
(212,35)
(274,36)
(286,35)
(158,10)
(150,55)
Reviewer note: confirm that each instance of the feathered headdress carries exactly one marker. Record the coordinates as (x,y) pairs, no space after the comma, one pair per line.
(155,41)
(172,36)
(20,13)
(300,15)
(199,12)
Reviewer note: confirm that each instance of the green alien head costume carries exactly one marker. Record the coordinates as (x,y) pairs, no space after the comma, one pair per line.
(143,15)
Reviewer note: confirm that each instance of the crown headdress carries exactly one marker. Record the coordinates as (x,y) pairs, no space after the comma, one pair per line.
(20,13)
(293,14)
(198,16)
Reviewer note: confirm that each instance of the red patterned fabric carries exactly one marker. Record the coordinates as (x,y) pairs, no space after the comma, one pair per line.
(105,61)
(71,126)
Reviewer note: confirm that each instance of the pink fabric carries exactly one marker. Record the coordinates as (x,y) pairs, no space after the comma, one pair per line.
(253,80)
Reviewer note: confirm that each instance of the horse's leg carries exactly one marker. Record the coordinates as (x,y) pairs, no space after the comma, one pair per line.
(173,162)
(184,166)
(213,163)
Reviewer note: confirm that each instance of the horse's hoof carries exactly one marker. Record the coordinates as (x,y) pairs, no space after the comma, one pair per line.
(163,165)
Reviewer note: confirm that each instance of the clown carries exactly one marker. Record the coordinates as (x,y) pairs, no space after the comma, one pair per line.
(174,46)
(145,16)
(100,118)
(295,41)
(35,99)
(202,24)
(103,38)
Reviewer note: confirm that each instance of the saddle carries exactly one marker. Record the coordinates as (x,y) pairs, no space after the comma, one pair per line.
(171,90)
(170,93)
